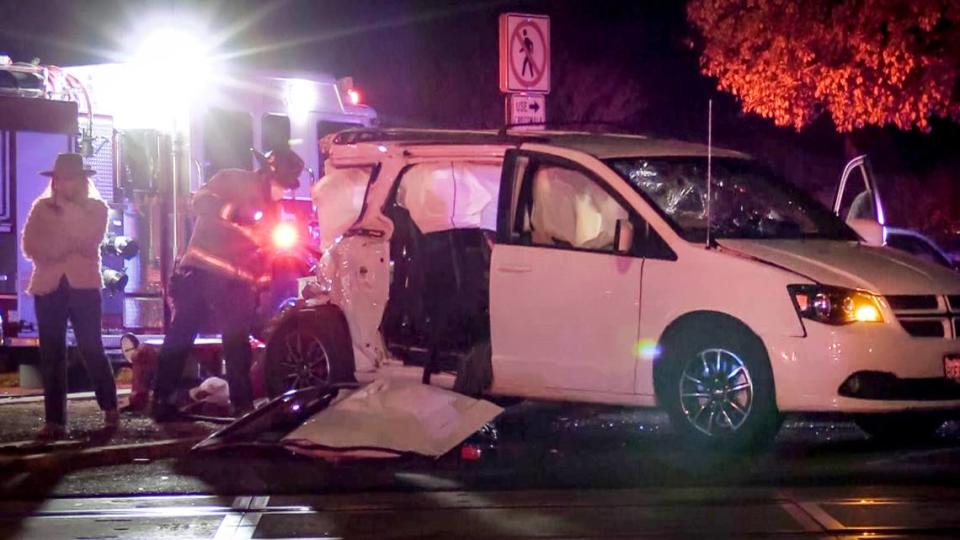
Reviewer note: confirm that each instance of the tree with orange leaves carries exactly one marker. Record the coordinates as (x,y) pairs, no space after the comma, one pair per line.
(865,62)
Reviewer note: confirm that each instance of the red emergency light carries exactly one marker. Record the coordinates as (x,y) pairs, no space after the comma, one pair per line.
(354,96)
(285,236)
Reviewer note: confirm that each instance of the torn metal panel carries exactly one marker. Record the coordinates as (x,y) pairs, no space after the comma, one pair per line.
(390,417)
(358,274)
(270,423)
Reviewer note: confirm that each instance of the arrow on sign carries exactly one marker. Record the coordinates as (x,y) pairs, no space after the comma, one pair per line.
(534,106)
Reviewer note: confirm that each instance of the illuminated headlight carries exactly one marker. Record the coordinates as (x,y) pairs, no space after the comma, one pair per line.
(835,305)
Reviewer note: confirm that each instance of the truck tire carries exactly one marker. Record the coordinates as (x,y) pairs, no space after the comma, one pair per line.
(308,347)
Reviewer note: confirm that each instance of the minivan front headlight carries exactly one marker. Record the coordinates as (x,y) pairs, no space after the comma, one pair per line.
(835,305)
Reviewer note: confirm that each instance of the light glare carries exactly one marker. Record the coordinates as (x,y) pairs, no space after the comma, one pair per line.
(867,313)
(301,97)
(285,236)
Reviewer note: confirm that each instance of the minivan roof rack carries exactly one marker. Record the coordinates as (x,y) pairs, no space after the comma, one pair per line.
(423,136)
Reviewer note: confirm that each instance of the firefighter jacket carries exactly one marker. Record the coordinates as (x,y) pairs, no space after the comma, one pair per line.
(233,218)
(64,240)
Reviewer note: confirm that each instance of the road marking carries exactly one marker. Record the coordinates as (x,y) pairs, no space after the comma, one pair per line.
(805,520)
(825,520)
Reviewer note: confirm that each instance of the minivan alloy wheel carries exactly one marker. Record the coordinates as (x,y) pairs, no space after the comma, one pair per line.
(716,392)
(306,362)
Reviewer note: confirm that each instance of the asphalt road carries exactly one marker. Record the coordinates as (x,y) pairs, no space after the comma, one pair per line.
(553,472)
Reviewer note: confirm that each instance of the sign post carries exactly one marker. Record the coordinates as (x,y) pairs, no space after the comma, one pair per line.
(525,66)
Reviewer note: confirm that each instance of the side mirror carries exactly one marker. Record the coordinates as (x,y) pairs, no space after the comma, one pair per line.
(623,237)
(869,230)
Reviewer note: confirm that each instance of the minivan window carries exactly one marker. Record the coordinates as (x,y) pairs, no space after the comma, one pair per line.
(564,208)
(749,201)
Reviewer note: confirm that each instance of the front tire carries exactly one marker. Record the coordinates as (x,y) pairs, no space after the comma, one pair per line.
(308,348)
(717,386)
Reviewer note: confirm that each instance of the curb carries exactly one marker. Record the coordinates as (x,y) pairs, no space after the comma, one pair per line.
(99,456)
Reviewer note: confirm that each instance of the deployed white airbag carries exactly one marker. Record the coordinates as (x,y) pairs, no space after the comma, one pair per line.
(570,208)
(443,196)
(338,197)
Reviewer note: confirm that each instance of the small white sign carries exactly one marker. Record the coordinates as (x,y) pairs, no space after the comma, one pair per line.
(527,109)
(524,53)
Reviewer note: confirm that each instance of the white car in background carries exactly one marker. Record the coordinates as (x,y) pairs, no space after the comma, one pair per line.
(578,267)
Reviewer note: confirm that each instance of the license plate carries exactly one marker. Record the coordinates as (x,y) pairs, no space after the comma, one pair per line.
(951,367)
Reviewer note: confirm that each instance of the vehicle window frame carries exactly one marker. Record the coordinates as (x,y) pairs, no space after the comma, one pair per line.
(268,118)
(928,248)
(510,196)
(210,168)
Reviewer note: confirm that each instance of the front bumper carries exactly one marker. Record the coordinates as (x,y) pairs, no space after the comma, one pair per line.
(894,372)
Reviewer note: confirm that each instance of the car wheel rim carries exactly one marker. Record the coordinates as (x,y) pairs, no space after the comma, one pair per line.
(306,362)
(716,392)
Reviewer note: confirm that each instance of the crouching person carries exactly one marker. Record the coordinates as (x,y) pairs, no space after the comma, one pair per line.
(62,237)
(221,273)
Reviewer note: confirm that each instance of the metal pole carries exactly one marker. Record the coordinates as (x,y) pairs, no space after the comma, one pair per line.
(709,167)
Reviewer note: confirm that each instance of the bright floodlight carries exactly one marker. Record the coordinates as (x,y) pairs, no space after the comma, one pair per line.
(169,68)
(301,97)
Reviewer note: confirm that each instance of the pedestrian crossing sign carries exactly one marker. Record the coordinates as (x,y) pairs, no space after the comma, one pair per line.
(524,53)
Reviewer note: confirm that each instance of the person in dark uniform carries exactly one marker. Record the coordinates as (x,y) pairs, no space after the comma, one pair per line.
(221,273)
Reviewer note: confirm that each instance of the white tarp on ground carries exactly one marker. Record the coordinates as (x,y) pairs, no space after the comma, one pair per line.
(391,417)
(451,195)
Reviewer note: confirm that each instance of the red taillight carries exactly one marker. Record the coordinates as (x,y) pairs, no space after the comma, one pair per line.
(285,236)
(354,96)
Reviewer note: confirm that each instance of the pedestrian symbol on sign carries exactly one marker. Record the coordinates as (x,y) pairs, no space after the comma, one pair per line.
(527,54)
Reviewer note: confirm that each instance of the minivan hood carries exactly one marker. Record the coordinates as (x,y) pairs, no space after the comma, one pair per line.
(850,264)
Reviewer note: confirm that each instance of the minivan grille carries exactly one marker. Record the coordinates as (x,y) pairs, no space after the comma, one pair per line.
(926,328)
(914,302)
(927,315)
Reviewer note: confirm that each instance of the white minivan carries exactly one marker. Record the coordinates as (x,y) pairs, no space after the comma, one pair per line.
(580,267)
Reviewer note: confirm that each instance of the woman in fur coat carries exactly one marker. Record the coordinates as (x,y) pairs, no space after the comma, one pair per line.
(62,238)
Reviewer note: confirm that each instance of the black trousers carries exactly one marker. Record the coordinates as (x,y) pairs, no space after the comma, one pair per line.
(198,294)
(82,308)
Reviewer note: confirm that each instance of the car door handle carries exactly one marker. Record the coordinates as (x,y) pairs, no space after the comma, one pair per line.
(515,269)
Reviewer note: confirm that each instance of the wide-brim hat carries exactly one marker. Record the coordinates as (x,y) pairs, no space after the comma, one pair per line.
(284,166)
(69,164)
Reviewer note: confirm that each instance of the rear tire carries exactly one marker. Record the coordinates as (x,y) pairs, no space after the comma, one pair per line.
(308,348)
(716,384)
(905,428)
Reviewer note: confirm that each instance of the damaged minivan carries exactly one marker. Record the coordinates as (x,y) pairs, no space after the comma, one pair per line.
(595,268)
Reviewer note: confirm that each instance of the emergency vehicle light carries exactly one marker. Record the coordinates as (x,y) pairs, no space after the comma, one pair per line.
(354,96)
(285,236)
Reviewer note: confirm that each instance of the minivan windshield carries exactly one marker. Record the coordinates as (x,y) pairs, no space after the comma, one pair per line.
(749,201)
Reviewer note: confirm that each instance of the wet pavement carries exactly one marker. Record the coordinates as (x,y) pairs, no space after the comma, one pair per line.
(550,471)
(21,417)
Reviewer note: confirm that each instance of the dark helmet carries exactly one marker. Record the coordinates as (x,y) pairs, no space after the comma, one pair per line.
(281,166)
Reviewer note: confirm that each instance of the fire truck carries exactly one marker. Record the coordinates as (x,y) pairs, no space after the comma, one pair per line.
(155,131)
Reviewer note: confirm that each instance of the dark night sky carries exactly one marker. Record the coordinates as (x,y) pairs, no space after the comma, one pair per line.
(434,63)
